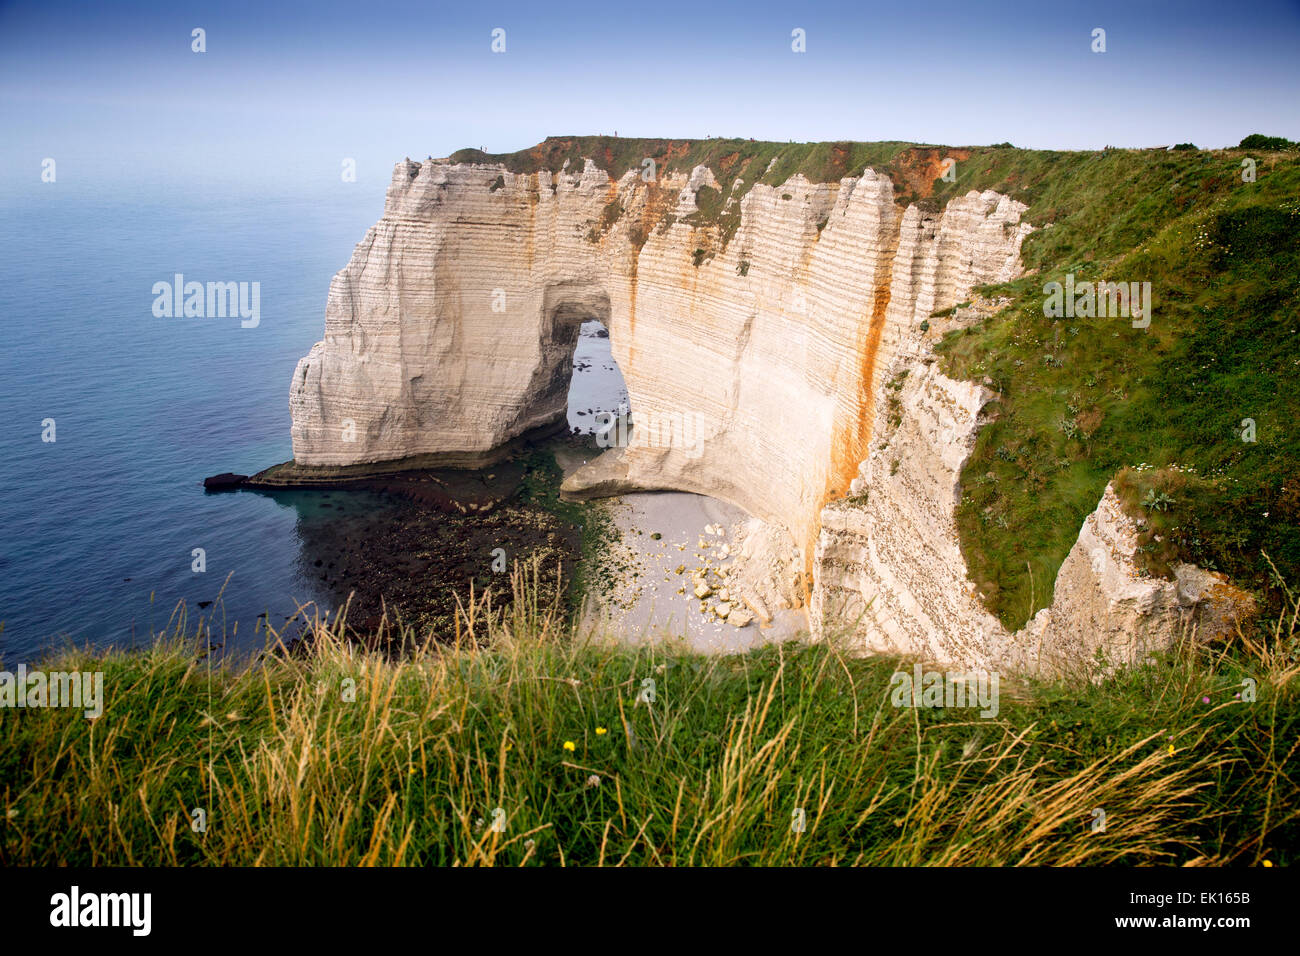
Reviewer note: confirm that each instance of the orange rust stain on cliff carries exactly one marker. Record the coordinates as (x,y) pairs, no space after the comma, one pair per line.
(633,265)
(653,206)
(657,200)
(839,161)
(548,152)
(673,150)
(852,435)
(631,299)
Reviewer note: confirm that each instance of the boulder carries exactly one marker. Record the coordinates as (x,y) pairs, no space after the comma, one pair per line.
(224,481)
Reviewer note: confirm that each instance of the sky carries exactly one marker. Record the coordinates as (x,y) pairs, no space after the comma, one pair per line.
(291,90)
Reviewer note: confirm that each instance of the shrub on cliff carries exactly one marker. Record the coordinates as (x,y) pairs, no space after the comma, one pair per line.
(1260,141)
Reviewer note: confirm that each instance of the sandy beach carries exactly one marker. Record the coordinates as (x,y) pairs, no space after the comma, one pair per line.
(666,539)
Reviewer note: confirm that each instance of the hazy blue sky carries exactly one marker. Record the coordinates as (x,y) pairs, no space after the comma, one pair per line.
(290,89)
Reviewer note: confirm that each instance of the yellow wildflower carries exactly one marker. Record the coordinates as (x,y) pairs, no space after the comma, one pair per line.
(569,745)
(600,730)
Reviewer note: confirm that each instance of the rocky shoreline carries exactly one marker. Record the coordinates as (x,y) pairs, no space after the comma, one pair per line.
(449,529)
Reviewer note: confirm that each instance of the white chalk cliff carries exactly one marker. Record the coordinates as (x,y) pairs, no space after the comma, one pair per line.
(451,332)
(891,575)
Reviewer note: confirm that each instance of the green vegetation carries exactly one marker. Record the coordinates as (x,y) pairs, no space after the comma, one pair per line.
(610,215)
(708,202)
(541,487)
(330,755)
(737,164)
(1169,501)
(895,406)
(950,311)
(1260,141)
(818,162)
(1081,398)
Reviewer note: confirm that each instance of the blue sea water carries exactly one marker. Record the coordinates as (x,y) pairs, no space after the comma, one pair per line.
(97,528)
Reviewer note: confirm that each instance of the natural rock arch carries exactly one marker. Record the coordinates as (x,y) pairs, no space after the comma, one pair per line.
(771,341)
(786,339)
(565,306)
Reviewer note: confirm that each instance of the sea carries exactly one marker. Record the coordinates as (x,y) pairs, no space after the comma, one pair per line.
(111,415)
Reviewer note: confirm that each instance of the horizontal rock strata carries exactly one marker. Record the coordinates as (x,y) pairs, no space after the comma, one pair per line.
(749,368)
(755,364)
(891,576)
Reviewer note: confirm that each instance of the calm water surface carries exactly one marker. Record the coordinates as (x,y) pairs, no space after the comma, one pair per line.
(98,528)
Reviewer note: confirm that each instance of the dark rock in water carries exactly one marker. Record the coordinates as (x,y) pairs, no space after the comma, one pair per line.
(223,482)
(602,333)
(205,604)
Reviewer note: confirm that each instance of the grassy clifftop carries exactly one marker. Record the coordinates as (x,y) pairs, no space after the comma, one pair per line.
(728,158)
(737,165)
(1201,404)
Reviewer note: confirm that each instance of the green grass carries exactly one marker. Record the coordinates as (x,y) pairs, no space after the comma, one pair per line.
(547,725)
(1080,399)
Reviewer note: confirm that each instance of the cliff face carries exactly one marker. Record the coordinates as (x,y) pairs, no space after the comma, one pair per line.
(780,366)
(753,366)
(1104,606)
(890,571)
(890,575)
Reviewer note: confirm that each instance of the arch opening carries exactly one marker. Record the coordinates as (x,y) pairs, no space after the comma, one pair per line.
(583,379)
(598,403)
